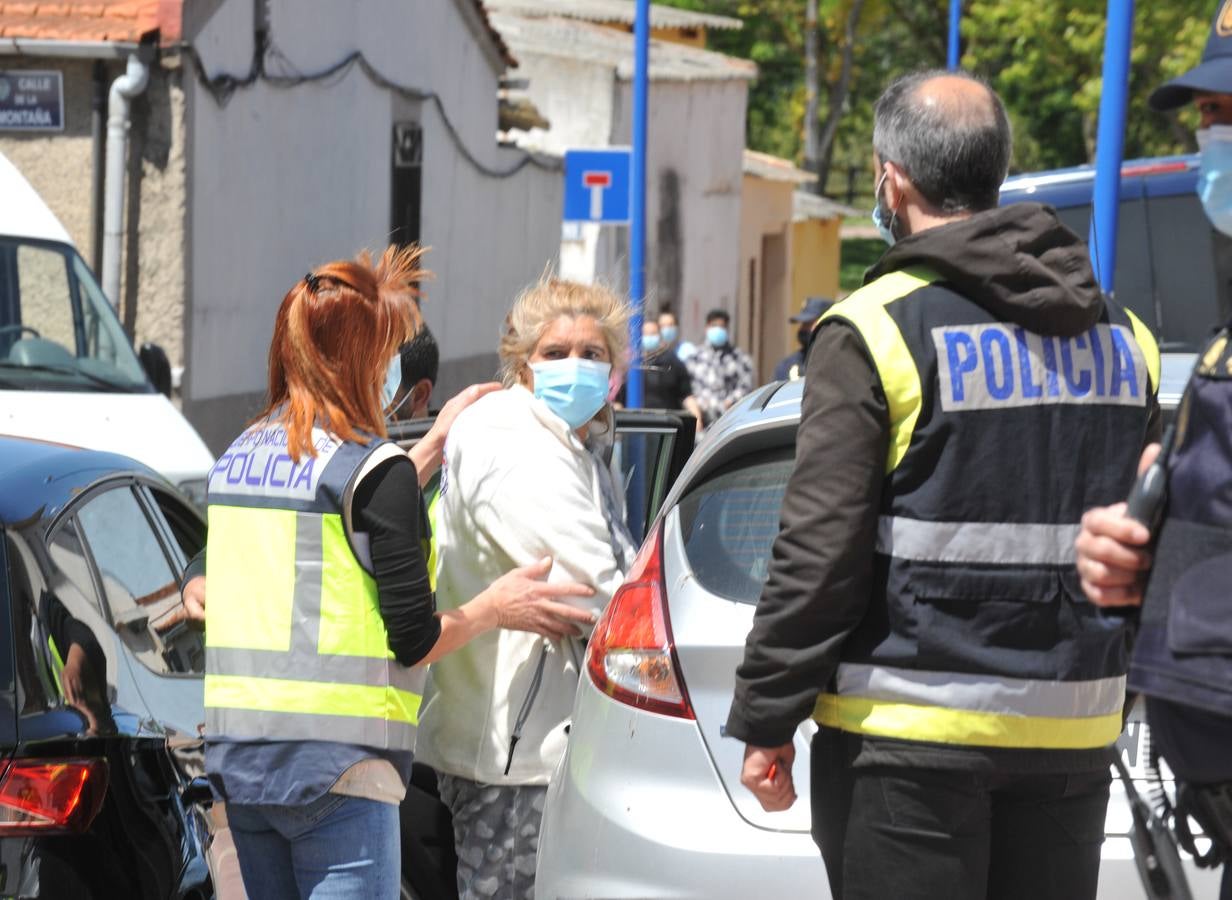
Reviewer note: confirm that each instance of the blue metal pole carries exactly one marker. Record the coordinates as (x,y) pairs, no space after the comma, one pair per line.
(951,61)
(637,205)
(1110,140)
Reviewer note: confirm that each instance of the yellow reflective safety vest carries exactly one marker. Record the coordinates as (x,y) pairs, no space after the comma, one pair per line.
(296,648)
(978,632)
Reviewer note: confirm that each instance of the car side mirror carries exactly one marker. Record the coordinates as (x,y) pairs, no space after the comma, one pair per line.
(135,619)
(157,367)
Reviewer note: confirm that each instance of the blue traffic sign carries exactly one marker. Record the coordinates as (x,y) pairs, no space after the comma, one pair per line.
(597,185)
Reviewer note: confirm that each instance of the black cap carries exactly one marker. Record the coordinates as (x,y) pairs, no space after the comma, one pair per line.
(1212,75)
(815,306)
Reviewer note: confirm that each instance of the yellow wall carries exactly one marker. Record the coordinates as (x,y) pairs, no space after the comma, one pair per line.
(814,265)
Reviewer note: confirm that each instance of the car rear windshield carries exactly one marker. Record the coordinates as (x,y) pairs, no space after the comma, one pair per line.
(729,523)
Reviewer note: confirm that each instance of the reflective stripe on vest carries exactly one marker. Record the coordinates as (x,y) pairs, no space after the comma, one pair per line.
(973,710)
(295,644)
(993,543)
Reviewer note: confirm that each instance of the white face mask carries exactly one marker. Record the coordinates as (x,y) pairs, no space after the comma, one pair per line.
(885,227)
(1215,180)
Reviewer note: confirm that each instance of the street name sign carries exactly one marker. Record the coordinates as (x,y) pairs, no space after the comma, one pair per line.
(31,101)
(597,185)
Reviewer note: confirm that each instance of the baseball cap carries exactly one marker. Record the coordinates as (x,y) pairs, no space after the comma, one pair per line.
(1212,75)
(815,306)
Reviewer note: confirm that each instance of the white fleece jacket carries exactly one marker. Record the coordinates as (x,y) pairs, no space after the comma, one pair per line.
(517,485)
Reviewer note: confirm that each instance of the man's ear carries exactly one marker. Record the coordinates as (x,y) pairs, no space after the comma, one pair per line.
(894,191)
(421,394)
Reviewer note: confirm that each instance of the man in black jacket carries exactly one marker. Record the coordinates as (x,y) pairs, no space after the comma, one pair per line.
(960,411)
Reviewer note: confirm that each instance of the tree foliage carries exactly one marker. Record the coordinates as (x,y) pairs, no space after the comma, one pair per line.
(1043,56)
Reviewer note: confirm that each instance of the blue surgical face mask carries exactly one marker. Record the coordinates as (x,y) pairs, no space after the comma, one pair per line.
(393,381)
(1215,179)
(879,217)
(669,333)
(575,389)
(716,336)
(651,342)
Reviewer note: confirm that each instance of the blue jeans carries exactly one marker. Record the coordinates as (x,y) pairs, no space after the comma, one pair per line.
(335,848)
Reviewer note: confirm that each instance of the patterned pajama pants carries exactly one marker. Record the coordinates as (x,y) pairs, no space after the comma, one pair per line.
(496,833)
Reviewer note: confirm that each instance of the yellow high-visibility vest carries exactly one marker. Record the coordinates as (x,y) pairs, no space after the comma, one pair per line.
(296,648)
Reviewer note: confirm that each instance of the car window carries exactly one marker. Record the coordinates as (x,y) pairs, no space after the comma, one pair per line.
(61,640)
(729,523)
(43,283)
(186,529)
(69,556)
(641,455)
(140,587)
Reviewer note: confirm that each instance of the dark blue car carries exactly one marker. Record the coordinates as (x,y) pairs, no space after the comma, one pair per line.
(99,680)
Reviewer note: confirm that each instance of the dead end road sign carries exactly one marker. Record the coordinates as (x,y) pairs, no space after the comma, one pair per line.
(597,185)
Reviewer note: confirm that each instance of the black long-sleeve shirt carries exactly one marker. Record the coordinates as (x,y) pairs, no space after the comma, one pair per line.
(388,506)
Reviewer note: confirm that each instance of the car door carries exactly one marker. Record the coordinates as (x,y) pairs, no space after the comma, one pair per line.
(138,537)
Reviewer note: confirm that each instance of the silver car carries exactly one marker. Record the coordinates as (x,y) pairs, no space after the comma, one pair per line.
(647,801)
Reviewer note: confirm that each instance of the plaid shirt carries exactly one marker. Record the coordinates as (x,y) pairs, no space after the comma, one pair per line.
(721,376)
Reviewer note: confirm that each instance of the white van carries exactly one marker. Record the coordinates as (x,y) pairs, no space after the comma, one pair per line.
(67,370)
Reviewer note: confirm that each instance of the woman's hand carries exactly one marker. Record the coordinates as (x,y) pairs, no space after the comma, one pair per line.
(523,601)
(426,455)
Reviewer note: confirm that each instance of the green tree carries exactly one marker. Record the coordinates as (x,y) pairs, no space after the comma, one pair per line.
(1043,56)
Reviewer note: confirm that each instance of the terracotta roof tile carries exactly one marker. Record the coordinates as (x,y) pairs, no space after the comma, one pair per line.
(120,21)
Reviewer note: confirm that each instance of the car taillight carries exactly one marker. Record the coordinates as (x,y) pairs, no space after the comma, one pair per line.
(631,657)
(51,796)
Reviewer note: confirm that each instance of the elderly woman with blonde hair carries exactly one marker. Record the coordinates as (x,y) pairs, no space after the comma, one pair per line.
(527,475)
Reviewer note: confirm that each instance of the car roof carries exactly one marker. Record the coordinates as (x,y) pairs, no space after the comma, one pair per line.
(37,478)
(23,212)
(1072,186)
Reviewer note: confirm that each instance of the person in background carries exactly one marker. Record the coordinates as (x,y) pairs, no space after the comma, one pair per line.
(319,621)
(528,472)
(665,379)
(421,360)
(722,372)
(669,329)
(792,367)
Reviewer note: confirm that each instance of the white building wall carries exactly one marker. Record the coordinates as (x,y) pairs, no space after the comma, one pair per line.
(282,179)
(695,135)
(695,147)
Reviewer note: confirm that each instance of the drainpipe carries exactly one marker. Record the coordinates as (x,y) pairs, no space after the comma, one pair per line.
(123,89)
(98,132)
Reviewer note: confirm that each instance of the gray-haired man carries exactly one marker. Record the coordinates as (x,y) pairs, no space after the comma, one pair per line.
(960,411)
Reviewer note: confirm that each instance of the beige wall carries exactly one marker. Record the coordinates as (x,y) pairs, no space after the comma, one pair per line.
(765,284)
(59,166)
